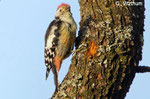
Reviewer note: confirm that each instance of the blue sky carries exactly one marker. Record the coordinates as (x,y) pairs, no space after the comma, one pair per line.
(22,70)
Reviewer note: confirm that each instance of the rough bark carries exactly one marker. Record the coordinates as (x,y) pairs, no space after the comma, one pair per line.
(108,50)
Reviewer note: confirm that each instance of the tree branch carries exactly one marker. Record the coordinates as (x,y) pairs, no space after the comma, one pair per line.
(142,69)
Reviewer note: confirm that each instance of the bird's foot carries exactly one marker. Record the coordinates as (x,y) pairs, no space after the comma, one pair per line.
(77,50)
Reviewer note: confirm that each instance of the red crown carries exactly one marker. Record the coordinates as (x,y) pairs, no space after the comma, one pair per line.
(63,4)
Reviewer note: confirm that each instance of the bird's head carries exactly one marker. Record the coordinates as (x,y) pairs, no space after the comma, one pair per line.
(63,12)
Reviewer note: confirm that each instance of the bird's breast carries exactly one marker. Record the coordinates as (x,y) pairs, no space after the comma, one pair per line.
(64,34)
(64,41)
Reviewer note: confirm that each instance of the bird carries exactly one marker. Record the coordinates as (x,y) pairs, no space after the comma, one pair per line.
(59,40)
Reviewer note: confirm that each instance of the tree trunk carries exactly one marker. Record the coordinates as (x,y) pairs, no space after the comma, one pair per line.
(108,49)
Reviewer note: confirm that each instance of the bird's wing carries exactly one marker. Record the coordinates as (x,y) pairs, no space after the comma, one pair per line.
(51,40)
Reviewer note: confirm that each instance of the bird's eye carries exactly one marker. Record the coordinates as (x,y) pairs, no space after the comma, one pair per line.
(60,10)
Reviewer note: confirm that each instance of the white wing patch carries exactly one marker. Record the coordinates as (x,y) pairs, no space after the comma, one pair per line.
(50,37)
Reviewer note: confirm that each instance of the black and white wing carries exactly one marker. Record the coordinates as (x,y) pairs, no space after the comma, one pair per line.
(51,42)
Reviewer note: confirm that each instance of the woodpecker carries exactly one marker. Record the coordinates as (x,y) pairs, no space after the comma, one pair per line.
(59,40)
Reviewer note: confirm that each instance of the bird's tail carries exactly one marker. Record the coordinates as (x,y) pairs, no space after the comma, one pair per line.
(47,71)
(55,77)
